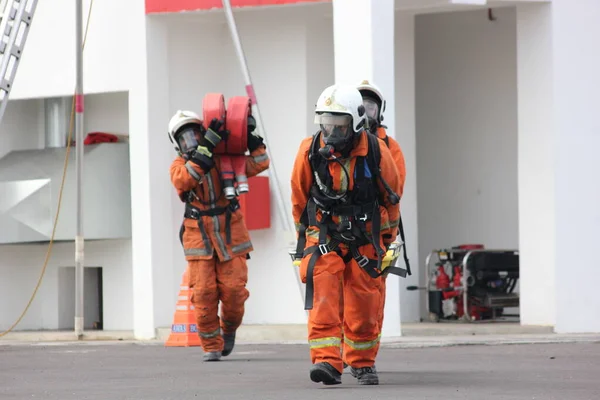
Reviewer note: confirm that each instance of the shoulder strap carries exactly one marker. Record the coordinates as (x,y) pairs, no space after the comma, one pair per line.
(373,159)
(373,155)
(315,161)
(304,218)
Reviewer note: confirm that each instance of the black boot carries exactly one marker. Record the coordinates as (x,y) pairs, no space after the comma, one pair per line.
(324,372)
(212,356)
(229,339)
(365,375)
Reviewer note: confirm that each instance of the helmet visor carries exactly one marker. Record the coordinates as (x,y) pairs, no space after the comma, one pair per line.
(371,107)
(188,139)
(331,123)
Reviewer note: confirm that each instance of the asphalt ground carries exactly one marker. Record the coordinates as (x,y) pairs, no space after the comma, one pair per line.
(152,371)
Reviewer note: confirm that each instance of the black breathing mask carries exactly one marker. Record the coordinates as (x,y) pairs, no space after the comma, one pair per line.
(337,131)
(188,138)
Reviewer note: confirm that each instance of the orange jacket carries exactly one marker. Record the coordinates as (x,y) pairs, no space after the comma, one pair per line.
(397,155)
(200,238)
(302,180)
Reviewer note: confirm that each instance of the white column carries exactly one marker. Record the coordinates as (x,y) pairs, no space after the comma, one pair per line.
(405,134)
(576,31)
(536,152)
(151,190)
(363,34)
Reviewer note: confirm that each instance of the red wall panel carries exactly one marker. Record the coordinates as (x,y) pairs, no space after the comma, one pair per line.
(256,204)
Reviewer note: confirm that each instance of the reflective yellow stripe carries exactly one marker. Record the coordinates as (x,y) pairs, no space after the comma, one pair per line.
(343,178)
(208,335)
(362,345)
(193,172)
(261,158)
(325,342)
(393,223)
(312,232)
(241,247)
(298,225)
(196,252)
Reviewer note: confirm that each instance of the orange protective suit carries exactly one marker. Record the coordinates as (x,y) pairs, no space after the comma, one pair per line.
(398,157)
(212,225)
(362,293)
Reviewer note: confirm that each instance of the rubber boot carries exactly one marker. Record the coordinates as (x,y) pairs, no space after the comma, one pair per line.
(229,342)
(324,372)
(212,356)
(365,375)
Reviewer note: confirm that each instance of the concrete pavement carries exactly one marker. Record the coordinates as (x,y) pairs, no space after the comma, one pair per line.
(121,370)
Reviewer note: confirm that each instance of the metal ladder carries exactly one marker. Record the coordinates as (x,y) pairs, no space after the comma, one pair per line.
(15,19)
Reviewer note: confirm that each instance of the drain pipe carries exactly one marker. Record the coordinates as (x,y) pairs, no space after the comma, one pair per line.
(56,122)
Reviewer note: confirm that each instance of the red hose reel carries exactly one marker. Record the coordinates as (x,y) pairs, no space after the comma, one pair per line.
(232,149)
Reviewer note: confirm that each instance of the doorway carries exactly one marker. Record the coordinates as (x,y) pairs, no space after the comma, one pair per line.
(92,303)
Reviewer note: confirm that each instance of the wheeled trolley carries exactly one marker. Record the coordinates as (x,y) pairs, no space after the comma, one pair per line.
(471,283)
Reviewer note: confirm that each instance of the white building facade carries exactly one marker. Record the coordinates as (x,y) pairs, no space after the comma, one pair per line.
(494,104)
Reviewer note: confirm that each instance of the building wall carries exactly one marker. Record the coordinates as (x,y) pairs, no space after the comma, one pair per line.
(20,270)
(20,265)
(466,105)
(47,67)
(22,126)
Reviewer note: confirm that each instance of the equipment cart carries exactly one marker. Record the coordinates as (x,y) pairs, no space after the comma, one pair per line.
(471,283)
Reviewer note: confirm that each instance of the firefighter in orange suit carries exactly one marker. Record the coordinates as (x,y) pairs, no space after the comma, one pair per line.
(214,236)
(374,103)
(346,212)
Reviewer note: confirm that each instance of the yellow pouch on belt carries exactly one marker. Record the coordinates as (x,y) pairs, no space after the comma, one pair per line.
(391,256)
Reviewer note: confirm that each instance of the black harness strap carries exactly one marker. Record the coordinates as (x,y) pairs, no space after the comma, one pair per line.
(353,217)
(376,156)
(197,214)
(404,255)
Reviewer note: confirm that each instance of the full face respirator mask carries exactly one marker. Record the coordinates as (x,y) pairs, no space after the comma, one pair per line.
(372,111)
(188,138)
(336,130)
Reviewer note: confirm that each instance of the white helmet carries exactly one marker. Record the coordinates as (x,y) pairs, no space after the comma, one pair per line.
(178,121)
(367,89)
(342,99)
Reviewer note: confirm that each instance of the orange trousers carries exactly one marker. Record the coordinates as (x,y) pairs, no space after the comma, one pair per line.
(212,281)
(382,289)
(362,312)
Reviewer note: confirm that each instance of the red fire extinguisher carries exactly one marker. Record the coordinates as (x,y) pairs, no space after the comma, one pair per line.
(443,280)
(457,280)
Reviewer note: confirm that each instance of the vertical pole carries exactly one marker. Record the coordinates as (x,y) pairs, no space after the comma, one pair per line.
(79,259)
(284,216)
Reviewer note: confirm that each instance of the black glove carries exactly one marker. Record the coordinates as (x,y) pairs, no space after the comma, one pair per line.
(251,124)
(214,134)
(203,158)
(254,141)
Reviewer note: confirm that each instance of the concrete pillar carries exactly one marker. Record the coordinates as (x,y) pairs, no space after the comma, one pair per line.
(363,36)
(558,142)
(576,63)
(405,134)
(151,191)
(536,152)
